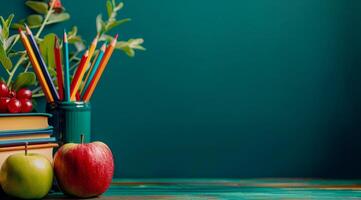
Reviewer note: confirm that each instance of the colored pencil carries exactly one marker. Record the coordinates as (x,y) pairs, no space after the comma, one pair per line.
(59,69)
(93,69)
(90,90)
(83,70)
(42,64)
(88,71)
(36,67)
(66,69)
(80,68)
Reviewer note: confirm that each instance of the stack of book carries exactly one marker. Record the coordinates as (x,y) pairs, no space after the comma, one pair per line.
(32,129)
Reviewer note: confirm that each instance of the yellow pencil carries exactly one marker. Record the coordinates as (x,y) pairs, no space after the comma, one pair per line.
(89,92)
(82,72)
(36,67)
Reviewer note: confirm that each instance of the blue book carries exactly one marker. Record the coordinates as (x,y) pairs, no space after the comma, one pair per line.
(22,142)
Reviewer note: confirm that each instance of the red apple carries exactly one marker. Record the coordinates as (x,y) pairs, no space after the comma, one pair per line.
(84,170)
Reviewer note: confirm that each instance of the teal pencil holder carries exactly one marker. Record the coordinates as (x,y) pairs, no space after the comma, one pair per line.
(70,120)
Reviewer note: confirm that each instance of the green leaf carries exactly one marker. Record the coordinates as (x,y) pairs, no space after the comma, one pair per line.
(39,7)
(47,49)
(52,72)
(129,51)
(105,37)
(56,18)
(117,23)
(9,20)
(24,79)
(119,6)
(10,42)
(109,7)
(34,20)
(4,59)
(74,39)
(4,30)
(17,25)
(5,26)
(100,24)
(73,32)
(129,46)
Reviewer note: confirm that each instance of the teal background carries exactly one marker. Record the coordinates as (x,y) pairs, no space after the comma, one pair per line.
(235,88)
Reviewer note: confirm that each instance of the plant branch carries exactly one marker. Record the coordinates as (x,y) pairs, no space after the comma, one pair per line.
(27,67)
(12,73)
(38,95)
(50,11)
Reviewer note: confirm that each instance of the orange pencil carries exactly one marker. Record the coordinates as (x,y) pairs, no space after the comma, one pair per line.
(109,51)
(82,71)
(36,66)
(78,71)
(89,72)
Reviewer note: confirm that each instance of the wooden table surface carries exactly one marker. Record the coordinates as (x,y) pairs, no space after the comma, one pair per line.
(199,189)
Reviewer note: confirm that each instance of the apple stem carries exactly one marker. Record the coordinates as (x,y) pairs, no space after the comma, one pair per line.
(26,148)
(82,138)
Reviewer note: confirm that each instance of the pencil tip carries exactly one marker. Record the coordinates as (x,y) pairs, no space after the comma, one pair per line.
(95,39)
(65,37)
(103,47)
(86,53)
(56,43)
(116,37)
(28,29)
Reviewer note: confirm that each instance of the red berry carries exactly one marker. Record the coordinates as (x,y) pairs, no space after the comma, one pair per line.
(24,94)
(14,106)
(4,104)
(26,105)
(4,90)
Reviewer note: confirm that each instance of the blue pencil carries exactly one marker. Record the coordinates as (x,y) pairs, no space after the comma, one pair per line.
(42,64)
(94,69)
(66,69)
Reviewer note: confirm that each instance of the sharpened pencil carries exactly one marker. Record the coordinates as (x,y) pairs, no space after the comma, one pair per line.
(83,70)
(66,69)
(36,66)
(93,69)
(109,51)
(59,69)
(42,64)
(80,68)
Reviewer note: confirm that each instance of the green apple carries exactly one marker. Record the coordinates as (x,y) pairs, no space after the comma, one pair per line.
(26,176)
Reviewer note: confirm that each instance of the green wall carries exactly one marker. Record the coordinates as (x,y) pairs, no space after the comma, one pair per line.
(235,88)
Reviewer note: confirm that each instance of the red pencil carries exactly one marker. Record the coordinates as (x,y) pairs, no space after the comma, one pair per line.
(59,69)
(78,71)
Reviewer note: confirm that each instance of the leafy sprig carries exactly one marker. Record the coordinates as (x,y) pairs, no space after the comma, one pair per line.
(45,14)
